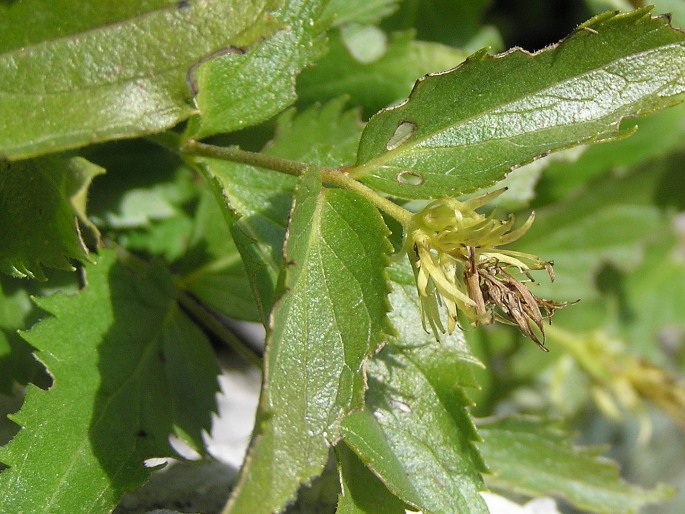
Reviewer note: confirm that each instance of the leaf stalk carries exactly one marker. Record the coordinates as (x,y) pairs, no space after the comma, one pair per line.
(330,176)
(207,320)
(235,154)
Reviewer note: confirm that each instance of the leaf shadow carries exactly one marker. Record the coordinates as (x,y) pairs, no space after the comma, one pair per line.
(140,357)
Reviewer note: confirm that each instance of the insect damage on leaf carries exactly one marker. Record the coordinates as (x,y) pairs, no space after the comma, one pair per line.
(404,131)
(454,252)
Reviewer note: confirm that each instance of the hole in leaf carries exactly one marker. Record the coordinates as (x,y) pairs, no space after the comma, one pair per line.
(403,132)
(410,178)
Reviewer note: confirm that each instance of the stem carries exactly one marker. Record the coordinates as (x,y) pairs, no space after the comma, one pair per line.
(329,176)
(337,178)
(208,320)
(235,154)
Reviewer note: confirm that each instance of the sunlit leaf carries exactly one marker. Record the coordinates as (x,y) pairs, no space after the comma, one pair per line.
(239,90)
(656,136)
(124,78)
(330,319)
(323,135)
(463,130)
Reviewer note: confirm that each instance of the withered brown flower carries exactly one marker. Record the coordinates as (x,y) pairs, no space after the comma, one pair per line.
(458,263)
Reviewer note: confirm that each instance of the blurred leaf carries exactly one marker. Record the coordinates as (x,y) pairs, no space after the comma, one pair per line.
(146,200)
(660,459)
(42,202)
(124,78)
(128,367)
(239,90)
(166,238)
(533,458)
(144,183)
(676,8)
(330,319)
(415,432)
(321,135)
(463,130)
(362,491)
(522,184)
(359,11)
(378,83)
(610,221)
(446,21)
(600,6)
(657,135)
(655,297)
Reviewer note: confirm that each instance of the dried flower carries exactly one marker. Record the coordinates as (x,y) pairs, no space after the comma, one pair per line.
(457,262)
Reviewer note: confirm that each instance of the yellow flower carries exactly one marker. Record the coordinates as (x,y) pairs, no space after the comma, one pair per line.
(458,263)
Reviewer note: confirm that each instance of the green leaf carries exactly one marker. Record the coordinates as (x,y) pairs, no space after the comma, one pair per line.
(362,491)
(255,204)
(461,131)
(144,184)
(657,135)
(522,186)
(675,8)
(42,202)
(261,269)
(146,200)
(125,78)
(321,135)
(328,322)
(415,432)
(166,238)
(379,82)
(654,296)
(16,361)
(529,457)
(359,11)
(128,368)
(325,135)
(17,312)
(239,90)
(610,221)
(213,270)
(57,18)
(454,23)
